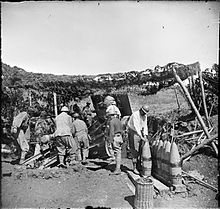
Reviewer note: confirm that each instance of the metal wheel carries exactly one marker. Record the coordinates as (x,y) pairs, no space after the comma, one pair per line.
(108,148)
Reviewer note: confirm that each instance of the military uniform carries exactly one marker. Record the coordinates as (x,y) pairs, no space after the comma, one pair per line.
(21,130)
(64,137)
(80,132)
(114,135)
(87,114)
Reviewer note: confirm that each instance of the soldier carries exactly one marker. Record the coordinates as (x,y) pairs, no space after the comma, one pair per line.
(87,114)
(114,134)
(63,136)
(43,126)
(138,133)
(75,107)
(21,131)
(111,105)
(80,132)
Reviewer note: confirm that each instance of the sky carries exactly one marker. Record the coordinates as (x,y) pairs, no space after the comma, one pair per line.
(98,37)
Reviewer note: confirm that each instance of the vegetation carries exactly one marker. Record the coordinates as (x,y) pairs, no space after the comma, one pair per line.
(210,81)
(18,86)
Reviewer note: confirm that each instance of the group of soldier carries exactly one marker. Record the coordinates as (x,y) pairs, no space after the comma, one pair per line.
(69,132)
(137,134)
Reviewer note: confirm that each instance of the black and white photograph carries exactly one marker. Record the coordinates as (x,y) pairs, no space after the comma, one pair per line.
(109,104)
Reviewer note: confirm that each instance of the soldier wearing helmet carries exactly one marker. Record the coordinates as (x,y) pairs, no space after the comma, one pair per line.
(64,137)
(87,114)
(111,105)
(80,133)
(138,133)
(114,136)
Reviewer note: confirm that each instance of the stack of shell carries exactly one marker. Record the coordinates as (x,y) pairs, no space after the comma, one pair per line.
(166,162)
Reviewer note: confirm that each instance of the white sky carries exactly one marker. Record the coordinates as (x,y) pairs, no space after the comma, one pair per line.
(90,38)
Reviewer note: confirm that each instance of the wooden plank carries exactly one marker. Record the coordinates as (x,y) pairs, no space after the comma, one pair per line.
(93,166)
(177,188)
(32,158)
(133,177)
(206,141)
(202,182)
(35,157)
(203,98)
(189,133)
(98,163)
(50,162)
(130,186)
(157,184)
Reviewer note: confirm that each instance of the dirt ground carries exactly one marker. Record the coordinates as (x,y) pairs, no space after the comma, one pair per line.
(92,185)
(79,186)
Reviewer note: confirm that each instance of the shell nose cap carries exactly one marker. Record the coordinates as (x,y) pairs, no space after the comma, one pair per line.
(64,109)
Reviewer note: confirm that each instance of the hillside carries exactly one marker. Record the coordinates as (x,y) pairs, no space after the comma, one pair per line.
(158,78)
(20,86)
(93,184)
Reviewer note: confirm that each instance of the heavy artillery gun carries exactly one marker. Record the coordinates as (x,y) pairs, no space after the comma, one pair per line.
(165,77)
(47,156)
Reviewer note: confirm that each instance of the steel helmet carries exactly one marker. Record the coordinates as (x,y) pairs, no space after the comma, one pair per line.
(113,102)
(64,109)
(111,111)
(109,99)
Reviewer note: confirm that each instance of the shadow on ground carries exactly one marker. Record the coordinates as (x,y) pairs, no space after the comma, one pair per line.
(130,200)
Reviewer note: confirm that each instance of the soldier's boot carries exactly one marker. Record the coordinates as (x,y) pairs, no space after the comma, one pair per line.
(22,159)
(118,164)
(85,156)
(111,152)
(73,160)
(135,171)
(79,156)
(61,159)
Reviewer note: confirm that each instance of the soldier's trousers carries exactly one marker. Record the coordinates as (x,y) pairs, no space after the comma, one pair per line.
(66,143)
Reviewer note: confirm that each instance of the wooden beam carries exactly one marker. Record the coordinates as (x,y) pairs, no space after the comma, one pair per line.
(35,157)
(206,141)
(201,139)
(203,98)
(156,183)
(198,141)
(194,108)
(55,103)
(189,133)
(193,90)
(50,162)
(200,181)
(177,99)
(30,99)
